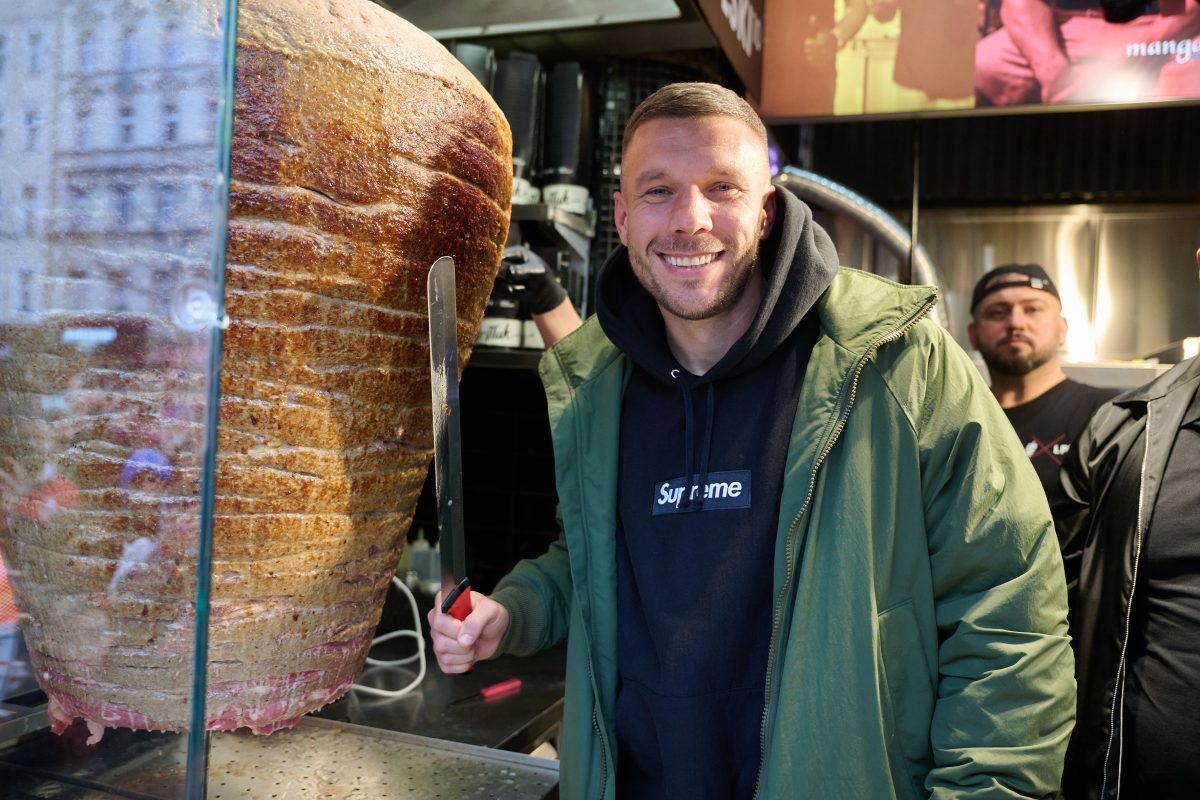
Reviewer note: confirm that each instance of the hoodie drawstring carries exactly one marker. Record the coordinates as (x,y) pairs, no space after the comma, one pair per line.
(704,451)
(688,425)
(689,466)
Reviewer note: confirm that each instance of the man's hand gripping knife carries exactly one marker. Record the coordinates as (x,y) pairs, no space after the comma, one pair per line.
(458,644)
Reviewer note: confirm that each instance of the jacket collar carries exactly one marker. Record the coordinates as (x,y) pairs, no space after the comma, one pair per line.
(1186,373)
(855,320)
(1192,415)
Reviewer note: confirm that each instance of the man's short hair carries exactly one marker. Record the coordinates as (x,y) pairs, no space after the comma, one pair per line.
(1035,278)
(690,100)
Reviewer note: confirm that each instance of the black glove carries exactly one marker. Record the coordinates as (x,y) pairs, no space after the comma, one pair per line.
(530,279)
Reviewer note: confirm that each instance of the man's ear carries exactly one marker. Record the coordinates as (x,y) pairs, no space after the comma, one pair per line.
(769,204)
(619,216)
(971,335)
(1062,330)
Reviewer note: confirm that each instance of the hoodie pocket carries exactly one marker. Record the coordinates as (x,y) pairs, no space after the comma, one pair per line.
(907,699)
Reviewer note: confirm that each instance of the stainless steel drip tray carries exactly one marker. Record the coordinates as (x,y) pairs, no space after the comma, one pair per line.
(323,759)
(316,760)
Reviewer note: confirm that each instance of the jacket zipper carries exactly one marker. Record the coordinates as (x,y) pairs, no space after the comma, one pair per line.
(843,416)
(596,725)
(1119,690)
(591,672)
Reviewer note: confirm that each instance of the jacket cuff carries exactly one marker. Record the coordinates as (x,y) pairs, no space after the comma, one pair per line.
(526,619)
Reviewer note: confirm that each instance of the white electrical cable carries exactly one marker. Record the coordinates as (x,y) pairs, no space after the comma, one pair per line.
(420,654)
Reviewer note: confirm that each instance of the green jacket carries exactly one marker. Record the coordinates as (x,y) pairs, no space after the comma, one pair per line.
(919,644)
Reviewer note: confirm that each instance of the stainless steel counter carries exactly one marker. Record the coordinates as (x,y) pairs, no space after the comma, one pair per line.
(316,759)
(517,722)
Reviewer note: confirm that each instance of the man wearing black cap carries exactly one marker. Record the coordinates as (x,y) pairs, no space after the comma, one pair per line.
(1017,325)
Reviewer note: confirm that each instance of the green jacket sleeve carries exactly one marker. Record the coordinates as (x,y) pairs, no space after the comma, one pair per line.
(537,595)
(1006,693)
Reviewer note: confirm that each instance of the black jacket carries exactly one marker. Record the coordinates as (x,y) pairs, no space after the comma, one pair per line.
(1107,490)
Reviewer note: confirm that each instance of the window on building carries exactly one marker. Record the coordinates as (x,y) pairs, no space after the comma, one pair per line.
(78,289)
(26,289)
(29,196)
(33,129)
(170,114)
(172,45)
(126,123)
(129,49)
(118,287)
(164,285)
(168,205)
(123,202)
(79,220)
(37,53)
(87,53)
(83,129)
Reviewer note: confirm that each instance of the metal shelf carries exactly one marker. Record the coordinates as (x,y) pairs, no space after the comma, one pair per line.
(505,357)
(584,225)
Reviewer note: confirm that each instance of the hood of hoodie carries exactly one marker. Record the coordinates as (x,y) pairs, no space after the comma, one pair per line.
(798,260)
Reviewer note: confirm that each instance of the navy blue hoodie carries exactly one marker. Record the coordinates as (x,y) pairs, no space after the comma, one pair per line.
(701,471)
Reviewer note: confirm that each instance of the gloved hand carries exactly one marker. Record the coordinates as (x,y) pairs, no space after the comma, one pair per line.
(529,278)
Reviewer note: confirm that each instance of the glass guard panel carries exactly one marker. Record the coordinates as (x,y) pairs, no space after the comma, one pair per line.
(112,217)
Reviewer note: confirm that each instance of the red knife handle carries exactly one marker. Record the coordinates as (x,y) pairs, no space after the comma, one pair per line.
(458,603)
(501,689)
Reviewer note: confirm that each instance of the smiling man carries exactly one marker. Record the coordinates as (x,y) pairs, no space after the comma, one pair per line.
(1017,326)
(799,554)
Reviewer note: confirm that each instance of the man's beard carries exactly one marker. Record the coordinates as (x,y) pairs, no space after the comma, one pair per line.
(1009,363)
(728,293)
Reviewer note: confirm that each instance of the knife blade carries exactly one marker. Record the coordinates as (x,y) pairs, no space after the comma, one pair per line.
(443,367)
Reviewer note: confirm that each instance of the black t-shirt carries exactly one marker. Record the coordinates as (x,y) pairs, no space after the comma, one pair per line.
(1049,424)
(1162,692)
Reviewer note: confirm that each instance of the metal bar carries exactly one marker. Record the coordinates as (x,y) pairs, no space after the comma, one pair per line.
(196,774)
(907,270)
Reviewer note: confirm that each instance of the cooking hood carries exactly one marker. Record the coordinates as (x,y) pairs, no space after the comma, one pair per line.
(458,20)
(563,29)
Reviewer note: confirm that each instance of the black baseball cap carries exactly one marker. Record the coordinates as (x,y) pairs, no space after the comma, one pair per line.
(1035,278)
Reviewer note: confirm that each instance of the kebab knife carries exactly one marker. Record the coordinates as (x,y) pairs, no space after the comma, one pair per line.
(447,458)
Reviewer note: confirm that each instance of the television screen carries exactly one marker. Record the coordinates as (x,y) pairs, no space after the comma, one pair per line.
(834,58)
